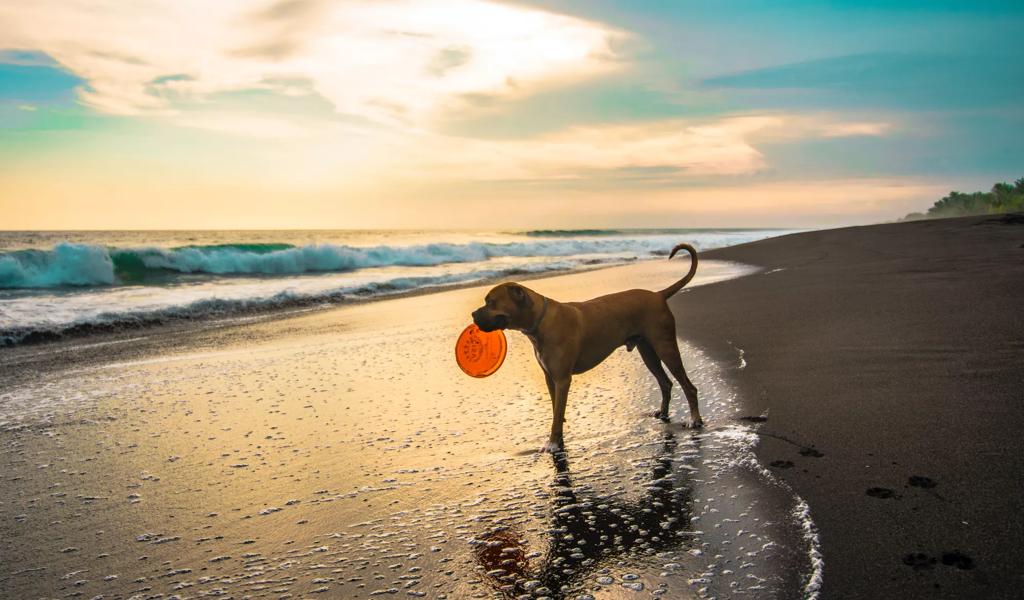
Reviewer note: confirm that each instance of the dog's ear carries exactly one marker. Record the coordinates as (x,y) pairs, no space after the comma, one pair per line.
(519,295)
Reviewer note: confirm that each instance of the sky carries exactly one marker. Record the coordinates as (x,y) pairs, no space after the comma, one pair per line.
(184,114)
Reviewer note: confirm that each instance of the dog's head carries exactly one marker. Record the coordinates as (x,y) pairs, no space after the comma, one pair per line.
(506,306)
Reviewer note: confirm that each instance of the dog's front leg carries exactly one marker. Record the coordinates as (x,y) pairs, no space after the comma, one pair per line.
(559,397)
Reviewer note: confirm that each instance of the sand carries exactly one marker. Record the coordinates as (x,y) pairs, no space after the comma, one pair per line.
(862,393)
(341,453)
(889,362)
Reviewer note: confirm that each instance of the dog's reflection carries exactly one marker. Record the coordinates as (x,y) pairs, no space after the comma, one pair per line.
(588,532)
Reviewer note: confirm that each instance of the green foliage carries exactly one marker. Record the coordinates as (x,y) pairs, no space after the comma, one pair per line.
(1003,198)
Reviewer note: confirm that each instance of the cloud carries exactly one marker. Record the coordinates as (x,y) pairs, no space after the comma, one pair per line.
(392,61)
(666,152)
(243,125)
(696,148)
(781,127)
(680,147)
(873,129)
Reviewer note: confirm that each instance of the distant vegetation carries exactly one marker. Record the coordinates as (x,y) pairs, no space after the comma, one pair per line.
(1003,198)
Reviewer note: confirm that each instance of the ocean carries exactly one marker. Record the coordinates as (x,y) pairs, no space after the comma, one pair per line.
(55,284)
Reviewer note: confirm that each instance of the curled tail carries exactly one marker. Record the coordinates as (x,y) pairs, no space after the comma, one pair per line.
(675,287)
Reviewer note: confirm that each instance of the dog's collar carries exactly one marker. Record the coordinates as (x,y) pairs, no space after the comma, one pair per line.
(543,311)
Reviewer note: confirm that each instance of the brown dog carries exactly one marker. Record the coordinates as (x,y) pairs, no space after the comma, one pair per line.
(573,337)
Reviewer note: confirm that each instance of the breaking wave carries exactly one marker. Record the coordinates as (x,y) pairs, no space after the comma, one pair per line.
(88,265)
(58,326)
(86,286)
(66,264)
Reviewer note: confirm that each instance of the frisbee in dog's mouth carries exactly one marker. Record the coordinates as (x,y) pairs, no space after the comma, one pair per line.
(480,353)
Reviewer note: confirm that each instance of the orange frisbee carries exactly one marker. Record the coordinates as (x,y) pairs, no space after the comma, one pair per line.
(479,353)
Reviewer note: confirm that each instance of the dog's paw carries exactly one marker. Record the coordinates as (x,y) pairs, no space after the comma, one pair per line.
(697,423)
(660,415)
(551,448)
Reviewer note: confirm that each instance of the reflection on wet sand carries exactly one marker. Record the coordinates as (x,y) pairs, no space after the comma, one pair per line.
(342,454)
(589,530)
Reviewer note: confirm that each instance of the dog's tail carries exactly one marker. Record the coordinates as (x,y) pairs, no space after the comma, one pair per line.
(675,287)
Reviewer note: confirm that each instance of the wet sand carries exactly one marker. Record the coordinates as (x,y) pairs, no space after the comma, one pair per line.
(889,364)
(342,454)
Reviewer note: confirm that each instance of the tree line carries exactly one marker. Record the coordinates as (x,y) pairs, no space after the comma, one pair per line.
(1003,198)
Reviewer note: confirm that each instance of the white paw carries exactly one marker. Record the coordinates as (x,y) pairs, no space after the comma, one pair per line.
(550,448)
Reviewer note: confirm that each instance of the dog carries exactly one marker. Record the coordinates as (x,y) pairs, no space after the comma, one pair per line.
(573,337)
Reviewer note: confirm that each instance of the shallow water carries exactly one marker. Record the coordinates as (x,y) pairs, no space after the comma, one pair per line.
(344,454)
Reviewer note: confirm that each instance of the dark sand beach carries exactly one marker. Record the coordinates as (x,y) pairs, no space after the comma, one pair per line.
(889,362)
(862,394)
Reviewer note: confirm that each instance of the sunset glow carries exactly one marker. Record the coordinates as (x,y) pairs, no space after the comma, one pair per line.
(374,114)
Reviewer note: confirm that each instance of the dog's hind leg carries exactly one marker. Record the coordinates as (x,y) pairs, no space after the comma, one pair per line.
(654,365)
(668,351)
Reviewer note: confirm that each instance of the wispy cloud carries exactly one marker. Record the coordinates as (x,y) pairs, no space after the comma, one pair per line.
(670,150)
(686,147)
(391,61)
(873,129)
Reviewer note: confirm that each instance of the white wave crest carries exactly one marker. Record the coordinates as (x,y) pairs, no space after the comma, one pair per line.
(87,265)
(333,258)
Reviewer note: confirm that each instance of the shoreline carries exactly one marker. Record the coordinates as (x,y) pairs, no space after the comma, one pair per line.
(22,353)
(296,306)
(94,335)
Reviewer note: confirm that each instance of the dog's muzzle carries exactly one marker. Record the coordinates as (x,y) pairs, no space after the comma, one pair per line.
(488,322)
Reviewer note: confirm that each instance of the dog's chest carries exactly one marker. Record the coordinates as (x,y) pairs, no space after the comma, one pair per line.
(540,358)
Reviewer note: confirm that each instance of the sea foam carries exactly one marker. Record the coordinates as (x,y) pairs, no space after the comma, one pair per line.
(81,285)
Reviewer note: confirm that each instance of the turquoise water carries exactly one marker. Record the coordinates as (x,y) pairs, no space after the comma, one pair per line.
(59,283)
